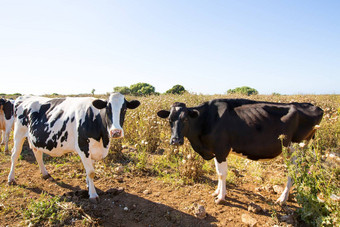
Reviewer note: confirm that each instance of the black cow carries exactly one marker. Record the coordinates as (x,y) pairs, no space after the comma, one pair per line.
(249,128)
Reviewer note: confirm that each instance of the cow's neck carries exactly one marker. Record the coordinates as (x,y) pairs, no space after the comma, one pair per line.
(195,134)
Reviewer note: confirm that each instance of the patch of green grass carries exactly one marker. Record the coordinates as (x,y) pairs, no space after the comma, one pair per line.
(49,210)
(315,186)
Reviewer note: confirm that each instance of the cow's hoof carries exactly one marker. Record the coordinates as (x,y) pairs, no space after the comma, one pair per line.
(12,182)
(95,200)
(220,201)
(280,202)
(48,177)
(215,193)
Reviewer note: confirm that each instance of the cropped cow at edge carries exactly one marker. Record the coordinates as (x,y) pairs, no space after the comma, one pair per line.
(6,120)
(248,128)
(62,125)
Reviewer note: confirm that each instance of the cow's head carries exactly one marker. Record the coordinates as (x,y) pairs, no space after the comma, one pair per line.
(116,107)
(179,117)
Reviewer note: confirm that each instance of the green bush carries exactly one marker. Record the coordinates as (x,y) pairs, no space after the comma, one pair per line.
(141,89)
(177,89)
(315,185)
(123,90)
(243,90)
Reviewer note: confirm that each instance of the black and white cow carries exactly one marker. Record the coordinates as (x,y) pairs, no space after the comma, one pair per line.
(6,120)
(73,124)
(249,128)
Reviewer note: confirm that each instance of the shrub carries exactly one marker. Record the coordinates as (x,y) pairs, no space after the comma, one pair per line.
(141,89)
(315,184)
(123,90)
(243,90)
(177,89)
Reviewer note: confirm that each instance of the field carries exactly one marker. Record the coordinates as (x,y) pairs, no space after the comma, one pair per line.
(146,182)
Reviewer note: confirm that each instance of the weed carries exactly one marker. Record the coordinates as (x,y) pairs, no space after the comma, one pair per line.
(315,184)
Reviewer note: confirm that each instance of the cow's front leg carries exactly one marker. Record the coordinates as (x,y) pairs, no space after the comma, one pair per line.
(221,169)
(87,162)
(39,157)
(19,138)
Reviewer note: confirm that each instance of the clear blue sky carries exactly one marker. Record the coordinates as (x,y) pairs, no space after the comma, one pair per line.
(71,47)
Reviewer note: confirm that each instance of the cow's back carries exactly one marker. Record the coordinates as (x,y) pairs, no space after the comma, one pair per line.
(52,124)
(252,128)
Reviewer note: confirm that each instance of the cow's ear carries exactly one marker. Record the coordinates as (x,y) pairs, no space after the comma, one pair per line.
(99,104)
(132,104)
(163,113)
(193,113)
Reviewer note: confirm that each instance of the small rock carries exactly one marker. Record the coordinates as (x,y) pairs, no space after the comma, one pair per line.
(289,219)
(120,189)
(277,189)
(254,208)
(335,198)
(199,211)
(120,179)
(126,209)
(119,169)
(146,192)
(248,220)
(269,189)
(236,172)
(112,191)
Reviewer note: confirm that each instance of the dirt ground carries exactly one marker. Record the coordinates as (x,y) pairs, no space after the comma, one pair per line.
(142,200)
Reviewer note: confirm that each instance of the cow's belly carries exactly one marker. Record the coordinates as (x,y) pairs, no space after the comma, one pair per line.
(55,149)
(97,150)
(56,152)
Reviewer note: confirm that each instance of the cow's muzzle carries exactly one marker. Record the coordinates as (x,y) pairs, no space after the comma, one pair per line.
(116,133)
(176,141)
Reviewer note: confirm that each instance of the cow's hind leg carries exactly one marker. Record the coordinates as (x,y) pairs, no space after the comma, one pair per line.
(19,138)
(88,165)
(2,137)
(39,157)
(285,194)
(6,137)
(221,169)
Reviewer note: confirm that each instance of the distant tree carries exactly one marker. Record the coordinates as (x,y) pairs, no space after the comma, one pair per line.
(243,90)
(177,89)
(142,89)
(92,92)
(123,90)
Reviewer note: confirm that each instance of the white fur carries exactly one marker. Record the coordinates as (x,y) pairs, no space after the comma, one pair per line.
(222,170)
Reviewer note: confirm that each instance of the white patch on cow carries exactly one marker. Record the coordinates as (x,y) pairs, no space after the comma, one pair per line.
(178,108)
(98,152)
(221,169)
(117,100)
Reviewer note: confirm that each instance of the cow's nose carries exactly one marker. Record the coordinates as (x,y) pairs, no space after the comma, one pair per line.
(176,141)
(116,133)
